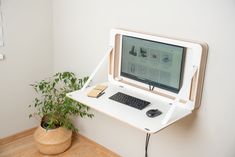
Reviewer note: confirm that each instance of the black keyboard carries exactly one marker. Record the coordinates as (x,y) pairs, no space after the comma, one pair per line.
(129,100)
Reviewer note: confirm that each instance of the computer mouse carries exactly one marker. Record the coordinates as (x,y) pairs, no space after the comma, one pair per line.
(153,113)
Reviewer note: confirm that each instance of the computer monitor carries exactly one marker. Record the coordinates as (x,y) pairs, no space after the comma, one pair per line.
(153,63)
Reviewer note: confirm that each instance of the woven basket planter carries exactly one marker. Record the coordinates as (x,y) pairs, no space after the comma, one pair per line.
(52,141)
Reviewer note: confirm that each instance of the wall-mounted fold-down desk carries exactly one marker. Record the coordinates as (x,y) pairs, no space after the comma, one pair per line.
(165,71)
(134,117)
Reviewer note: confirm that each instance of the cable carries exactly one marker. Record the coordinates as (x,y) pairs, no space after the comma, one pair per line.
(146,144)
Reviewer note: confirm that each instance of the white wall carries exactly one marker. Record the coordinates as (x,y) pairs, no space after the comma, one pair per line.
(29,57)
(81,34)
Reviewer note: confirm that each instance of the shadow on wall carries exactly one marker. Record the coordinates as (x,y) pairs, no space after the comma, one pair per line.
(184,126)
(188,123)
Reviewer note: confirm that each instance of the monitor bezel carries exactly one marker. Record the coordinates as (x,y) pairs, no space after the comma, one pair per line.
(140,82)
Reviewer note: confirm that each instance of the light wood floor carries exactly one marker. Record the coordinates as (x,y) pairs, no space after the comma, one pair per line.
(81,147)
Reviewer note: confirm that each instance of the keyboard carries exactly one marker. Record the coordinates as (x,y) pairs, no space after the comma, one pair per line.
(129,100)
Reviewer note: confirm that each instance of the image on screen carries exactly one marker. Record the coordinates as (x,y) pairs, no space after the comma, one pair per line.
(153,63)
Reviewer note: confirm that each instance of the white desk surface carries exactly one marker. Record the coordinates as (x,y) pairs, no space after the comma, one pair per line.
(134,117)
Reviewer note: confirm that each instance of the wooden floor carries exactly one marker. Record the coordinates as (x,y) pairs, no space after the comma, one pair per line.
(81,147)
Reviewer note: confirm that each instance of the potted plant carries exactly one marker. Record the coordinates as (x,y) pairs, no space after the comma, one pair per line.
(53,136)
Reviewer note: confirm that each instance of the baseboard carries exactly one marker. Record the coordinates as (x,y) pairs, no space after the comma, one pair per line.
(17,136)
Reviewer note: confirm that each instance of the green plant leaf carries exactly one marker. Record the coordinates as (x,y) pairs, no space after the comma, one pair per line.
(53,103)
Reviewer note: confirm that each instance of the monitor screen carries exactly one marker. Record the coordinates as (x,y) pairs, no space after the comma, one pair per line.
(154,63)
